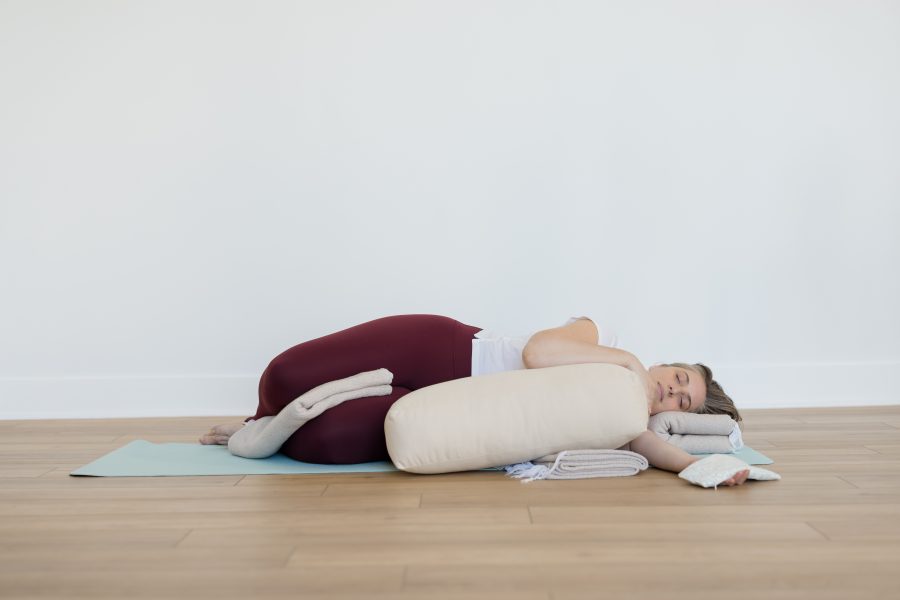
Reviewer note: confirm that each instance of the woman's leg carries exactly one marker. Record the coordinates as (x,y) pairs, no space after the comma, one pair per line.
(349,433)
(419,349)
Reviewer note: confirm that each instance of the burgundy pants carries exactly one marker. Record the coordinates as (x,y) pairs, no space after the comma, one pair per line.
(420,350)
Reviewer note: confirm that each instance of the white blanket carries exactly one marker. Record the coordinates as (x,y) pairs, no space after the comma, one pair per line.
(579,464)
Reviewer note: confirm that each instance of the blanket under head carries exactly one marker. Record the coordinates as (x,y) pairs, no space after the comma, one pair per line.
(696,433)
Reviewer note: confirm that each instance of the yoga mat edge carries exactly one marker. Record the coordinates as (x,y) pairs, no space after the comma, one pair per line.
(141,458)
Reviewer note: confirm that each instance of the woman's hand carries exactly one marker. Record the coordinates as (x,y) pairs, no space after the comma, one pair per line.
(706,471)
(738,478)
(220,434)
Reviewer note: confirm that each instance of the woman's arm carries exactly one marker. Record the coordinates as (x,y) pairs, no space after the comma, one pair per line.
(571,344)
(553,350)
(661,454)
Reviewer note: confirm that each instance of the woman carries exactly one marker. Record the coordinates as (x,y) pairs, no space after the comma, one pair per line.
(423,349)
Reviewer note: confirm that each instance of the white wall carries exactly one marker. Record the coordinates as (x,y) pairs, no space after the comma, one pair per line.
(189,188)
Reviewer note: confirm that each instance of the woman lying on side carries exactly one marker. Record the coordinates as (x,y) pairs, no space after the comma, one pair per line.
(426,349)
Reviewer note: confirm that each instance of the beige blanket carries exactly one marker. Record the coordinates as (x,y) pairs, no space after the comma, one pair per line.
(697,434)
(579,464)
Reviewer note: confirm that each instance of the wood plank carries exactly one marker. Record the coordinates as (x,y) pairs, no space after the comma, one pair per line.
(868,590)
(873,481)
(20,470)
(862,528)
(259,519)
(886,449)
(616,577)
(117,538)
(60,479)
(418,549)
(316,583)
(680,515)
(516,539)
(14,492)
(836,425)
(13,437)
(58,506)
(816,439)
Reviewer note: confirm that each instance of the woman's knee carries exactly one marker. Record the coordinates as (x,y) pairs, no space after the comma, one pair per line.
(274,378)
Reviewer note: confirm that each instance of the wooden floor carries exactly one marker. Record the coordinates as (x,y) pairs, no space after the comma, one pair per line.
(829,529)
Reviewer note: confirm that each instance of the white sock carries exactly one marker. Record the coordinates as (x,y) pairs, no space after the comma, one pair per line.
(263,437)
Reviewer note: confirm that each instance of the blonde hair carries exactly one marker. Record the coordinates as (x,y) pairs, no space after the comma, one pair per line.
(717,401)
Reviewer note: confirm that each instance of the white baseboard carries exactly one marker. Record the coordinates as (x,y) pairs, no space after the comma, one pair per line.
(751,386)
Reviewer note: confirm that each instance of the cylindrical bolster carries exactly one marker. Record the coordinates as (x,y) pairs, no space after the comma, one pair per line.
(515,416)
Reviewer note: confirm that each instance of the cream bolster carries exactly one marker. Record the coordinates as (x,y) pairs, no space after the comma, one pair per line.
(514,416)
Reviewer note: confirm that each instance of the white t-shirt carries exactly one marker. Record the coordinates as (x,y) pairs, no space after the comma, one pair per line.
(493,352)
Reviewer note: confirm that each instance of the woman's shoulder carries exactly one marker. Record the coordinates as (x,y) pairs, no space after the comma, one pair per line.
(606,335)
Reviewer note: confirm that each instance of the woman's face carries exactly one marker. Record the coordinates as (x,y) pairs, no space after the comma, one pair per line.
(679,389)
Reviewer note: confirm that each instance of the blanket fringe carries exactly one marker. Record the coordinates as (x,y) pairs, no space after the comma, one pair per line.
(527,471)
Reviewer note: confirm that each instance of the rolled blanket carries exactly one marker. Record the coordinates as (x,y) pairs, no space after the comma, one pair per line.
(580,464)
(696,433)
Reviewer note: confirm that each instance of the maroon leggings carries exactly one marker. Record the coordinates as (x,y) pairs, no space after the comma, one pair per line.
(420,350)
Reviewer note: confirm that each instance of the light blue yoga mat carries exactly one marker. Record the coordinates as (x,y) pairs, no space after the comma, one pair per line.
(749,456)
(141,458)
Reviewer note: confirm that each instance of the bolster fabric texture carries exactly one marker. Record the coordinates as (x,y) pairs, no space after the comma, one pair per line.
(514,416)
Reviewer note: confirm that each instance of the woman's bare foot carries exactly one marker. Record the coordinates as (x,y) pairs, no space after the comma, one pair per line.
(220,434)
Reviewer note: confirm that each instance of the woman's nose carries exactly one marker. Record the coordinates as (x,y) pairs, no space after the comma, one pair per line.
(672,392)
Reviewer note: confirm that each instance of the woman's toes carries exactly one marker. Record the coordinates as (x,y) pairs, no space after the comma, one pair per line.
(220,434)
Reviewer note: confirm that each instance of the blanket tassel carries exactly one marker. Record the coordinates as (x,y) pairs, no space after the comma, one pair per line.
(527,470)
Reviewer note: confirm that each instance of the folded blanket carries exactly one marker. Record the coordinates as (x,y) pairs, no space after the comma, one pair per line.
(263,437)
(696,433)
(579,464)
